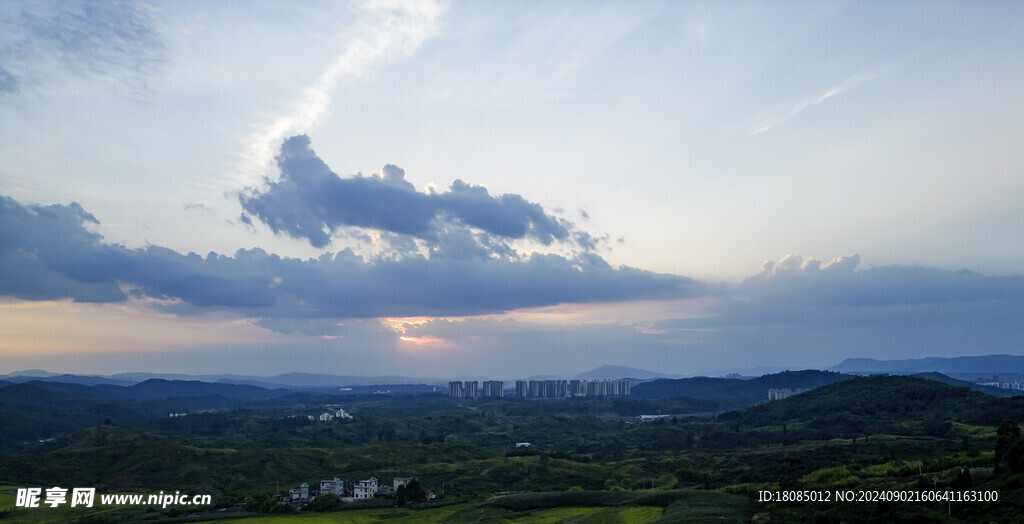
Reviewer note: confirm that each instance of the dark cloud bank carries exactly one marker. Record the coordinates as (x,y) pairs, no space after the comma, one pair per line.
(46,252)
(795,309)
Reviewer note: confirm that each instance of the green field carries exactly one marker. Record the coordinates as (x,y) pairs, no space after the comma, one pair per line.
(472,513)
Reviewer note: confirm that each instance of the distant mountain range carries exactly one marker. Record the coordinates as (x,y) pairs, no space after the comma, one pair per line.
(966,368)
(956,366)
(610,372)
(310,380)
(67,378)
(286,380)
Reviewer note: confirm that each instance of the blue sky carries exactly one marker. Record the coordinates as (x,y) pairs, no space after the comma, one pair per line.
(507,188)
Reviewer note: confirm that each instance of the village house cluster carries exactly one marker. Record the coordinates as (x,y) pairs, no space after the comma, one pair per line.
(370,488)
(334,412)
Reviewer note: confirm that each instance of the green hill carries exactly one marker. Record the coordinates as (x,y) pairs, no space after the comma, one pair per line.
(881,405)
(995,392)
(40,409)
(737,393)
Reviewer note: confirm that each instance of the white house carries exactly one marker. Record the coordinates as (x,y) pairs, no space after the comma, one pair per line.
(366,488)
(300,495)
(401,481)
(336,486)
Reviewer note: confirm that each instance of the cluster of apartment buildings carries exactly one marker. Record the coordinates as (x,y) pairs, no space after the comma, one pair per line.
(1002,384)
(362,490)
(541,388)
(471,389)
(779,394)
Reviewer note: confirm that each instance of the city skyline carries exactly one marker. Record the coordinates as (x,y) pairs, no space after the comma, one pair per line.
(467,189)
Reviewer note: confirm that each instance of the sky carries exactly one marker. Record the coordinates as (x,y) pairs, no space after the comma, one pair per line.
(507,189)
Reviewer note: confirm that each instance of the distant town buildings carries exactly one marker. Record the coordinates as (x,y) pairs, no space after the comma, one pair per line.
(494,388)
(459,389)
(576,388)
(543,388)
(653,418)
(779,394)
(994,381)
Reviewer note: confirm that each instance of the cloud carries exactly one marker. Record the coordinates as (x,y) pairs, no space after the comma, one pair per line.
(384,31)
(841,283)
(46,252)
(310,202)
(116,43)
(795,311)
(786,112)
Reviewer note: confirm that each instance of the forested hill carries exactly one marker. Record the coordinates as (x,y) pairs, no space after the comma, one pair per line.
(38,409)
(739,393)
(994,391)
(882,404)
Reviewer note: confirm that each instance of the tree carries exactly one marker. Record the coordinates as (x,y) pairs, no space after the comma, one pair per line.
(324,503)
(414,492)
(1009,447)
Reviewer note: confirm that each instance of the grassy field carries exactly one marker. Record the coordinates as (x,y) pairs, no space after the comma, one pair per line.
(465,513)
(48,514)
(396,516)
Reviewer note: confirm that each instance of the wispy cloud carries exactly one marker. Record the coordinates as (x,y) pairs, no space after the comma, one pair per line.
(384,30)
(785,112)
(58,43)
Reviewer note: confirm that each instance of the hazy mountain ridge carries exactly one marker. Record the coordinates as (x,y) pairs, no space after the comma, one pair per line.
(68,378)
(611,372)
(985,364)
(740,392)
(955,367)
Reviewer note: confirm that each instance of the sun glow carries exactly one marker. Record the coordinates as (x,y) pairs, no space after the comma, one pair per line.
(403,324)
(420,341)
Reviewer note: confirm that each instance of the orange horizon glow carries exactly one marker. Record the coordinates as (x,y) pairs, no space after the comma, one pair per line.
(64,327)
(419,341)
